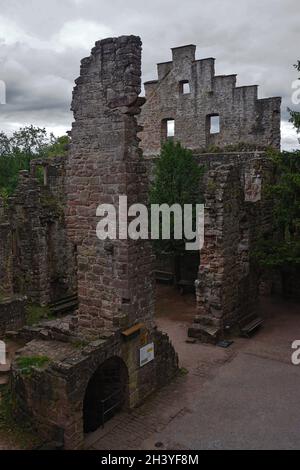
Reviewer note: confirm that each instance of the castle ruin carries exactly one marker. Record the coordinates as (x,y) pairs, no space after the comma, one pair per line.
(115,139)
(189,96)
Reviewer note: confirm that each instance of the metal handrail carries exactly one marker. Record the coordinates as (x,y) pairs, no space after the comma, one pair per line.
(102,402)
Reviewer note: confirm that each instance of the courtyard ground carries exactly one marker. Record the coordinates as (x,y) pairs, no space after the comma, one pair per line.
(243,397)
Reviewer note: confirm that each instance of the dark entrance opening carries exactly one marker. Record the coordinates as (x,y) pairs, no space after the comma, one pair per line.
(106,394)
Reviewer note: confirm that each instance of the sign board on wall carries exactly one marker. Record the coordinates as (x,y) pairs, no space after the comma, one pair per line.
(146,354)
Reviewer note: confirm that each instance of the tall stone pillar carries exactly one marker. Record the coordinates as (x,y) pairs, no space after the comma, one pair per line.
(115,277)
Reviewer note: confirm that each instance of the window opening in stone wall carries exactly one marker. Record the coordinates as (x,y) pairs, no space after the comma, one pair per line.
(214,124)
(170,128)
(184,87)
(41,174)
(167,129)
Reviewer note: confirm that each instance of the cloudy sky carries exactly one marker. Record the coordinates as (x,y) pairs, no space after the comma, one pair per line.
(42,42)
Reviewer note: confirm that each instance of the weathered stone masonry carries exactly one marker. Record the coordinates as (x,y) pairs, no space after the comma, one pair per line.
(12,307)
(38,260)
(237,212)
(6,269)
(243,117)
(115,280)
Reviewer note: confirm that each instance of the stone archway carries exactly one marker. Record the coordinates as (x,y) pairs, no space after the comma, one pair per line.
(106,393)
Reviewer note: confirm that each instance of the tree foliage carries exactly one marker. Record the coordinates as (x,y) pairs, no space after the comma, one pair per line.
(295,115)
(17,150)
(176,181)
(282,250)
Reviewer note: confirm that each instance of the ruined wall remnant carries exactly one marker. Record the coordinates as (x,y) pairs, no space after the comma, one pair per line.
(6,268)
(38,260)
(207,109)
(237,212)
(12,314)
(115,278)
(12,307)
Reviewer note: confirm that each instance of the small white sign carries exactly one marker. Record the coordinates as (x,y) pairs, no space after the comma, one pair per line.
(146,354)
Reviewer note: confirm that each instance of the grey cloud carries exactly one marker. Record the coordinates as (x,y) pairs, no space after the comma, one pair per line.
(40,59)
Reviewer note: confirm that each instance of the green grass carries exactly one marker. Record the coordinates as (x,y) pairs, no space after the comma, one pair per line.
(26,363)
(182,372)
(79,343)
(36,313)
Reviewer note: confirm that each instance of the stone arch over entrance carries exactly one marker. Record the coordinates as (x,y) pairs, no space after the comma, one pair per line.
(106,393)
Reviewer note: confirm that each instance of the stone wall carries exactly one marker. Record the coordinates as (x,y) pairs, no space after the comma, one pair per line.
(243,117)
(38,260)
(52,397)
(6,270)
(237,211)
(12,314)
(115,278)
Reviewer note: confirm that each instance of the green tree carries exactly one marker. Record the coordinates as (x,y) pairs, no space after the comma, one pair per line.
(295,115)
(177,179)
(16,152)
(58,146)
(29,140)
(282,249)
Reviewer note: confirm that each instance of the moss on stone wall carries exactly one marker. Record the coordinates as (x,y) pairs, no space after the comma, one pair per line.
(27,363)
(36,313)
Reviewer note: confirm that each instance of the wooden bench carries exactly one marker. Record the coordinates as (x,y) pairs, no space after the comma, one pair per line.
(64,305)
(249,325)
(164,277)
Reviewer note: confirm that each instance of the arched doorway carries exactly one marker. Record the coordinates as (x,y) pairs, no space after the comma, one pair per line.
(106,394)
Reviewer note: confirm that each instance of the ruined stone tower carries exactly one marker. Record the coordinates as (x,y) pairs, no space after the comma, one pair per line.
(115,277)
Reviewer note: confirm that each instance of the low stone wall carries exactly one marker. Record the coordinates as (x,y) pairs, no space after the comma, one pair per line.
(52,397)
(12,314)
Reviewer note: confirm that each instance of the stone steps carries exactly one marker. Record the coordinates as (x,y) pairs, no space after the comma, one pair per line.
(204,333)
(64,305)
